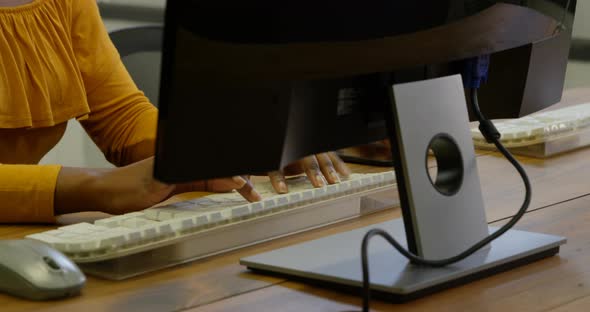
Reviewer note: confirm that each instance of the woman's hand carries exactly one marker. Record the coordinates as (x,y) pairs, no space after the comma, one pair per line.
(129,188)
(133,187)
(321,169)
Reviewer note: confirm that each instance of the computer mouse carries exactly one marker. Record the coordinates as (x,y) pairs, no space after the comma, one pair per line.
(32,270)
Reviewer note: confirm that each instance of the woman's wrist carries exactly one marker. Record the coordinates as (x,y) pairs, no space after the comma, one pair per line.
(80,189)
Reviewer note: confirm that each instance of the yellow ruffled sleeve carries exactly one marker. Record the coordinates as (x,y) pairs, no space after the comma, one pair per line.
(122,122)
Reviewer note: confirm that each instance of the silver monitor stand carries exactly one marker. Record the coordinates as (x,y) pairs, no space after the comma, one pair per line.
(443,214)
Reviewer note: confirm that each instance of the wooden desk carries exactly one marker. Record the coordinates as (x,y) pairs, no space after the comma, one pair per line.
(561,206)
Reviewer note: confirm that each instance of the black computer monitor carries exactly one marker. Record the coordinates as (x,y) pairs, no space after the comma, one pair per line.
(250,86)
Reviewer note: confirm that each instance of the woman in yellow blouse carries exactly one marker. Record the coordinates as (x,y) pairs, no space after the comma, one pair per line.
(58,63)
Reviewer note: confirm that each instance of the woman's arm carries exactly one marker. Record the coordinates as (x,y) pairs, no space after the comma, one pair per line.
(126,189)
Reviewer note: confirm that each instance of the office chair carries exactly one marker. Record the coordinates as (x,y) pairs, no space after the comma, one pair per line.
(580,50)
(140,49)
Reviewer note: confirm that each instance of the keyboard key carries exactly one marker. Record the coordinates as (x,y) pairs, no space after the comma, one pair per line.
(332,190)
(389,176)
(80,228)
(269,204)
(282,201)
(240,212)
(344,187)
(164,214)
(135,223)
(319,192)
(112,241)
(149,233)
(108,222)
(294,198)
(216,217)
(47,238)
(201,221)
(307,196)
(134,237)
(165,229)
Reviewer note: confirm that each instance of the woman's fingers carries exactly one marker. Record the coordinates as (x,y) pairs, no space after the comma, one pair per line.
(311,167)
(242,185)
(327,168)
(321,169)
(339,165)
(248,192)
(277,179)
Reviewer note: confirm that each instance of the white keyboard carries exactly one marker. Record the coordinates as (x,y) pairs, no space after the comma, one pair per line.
(539,128)
(210,224)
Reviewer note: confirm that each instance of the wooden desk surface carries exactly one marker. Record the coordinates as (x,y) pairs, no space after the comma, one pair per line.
(560,206)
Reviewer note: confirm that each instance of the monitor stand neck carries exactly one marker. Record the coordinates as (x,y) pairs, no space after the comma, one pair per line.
(443,213)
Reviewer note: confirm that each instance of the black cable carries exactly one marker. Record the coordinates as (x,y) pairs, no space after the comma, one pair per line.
(560,24)
(442,262)
(566,9)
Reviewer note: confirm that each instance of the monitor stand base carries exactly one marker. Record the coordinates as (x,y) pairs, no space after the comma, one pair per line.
(335,261)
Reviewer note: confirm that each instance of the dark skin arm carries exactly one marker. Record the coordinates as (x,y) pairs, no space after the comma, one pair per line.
(132,188)
(129,188)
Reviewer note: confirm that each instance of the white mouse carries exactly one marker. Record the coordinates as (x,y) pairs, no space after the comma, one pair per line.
(31,269)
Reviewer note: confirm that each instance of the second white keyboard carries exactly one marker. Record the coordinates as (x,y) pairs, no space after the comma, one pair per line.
(540,127)
(211,224)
